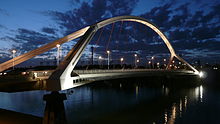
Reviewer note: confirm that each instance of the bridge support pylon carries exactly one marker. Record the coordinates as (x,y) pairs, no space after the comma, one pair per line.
(62,78)
(54,111)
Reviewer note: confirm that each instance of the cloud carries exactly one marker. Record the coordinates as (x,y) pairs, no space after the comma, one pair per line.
(88,14)
(48,30)
(185,29)
(26,40)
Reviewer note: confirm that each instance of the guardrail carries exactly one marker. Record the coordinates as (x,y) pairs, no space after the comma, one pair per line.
(127,70)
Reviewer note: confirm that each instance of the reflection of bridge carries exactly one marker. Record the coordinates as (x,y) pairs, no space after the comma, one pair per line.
(63,76)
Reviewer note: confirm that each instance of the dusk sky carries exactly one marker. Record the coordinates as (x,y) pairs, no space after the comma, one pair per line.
(192,26)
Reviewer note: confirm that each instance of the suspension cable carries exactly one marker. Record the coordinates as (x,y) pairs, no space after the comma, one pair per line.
(110,36)
(120,30)
(97,41)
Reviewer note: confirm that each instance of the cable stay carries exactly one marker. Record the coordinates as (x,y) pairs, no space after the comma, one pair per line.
(109,39)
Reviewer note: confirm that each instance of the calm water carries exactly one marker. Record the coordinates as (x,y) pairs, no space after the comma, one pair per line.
(107,102)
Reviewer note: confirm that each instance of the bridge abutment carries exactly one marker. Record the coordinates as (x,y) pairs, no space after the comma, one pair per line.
(54,111)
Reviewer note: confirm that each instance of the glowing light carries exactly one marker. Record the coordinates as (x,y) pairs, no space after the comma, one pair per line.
(152,57)
(13,51)
(58,45)
(100,57)
(149,62)
(35,74)
(138,60)
(137,90)
(201,92)
(215,68)
(23,73)
(165,117)
(201,74)
(108,51)
(135,55)
(122,59)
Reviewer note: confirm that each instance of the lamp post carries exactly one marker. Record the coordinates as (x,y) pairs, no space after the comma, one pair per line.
(135,60)
(158,65)
(58,54)
(108,52)
(149,62)
(13,55)
(152,59)
(164,60)
(100,61)
(122,59)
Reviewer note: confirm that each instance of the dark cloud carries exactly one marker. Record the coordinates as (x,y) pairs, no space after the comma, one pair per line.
(49,30)
(32,39)
(204,33)
(27,40)
(178,35)
(159,15)
(185,29)
(88,14)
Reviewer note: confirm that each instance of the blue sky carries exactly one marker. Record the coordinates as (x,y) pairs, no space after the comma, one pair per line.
(190,25)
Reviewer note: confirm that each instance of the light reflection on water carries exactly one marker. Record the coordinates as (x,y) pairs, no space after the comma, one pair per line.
(117,102)
(178,108)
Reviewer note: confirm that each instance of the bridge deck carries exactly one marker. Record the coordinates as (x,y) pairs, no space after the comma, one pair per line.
(38,79)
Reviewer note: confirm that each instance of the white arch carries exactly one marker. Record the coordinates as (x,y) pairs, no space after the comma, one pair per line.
(62,75)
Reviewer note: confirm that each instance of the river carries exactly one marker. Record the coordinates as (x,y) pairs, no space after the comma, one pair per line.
(121,102)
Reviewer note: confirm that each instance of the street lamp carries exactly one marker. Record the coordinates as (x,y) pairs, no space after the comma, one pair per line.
(138,61)
(100,60)
(122,59)
(135,60)
(152,59)
(164,60)
(149,62)
(108,52)
(13,55)
(158,65)
(58,53)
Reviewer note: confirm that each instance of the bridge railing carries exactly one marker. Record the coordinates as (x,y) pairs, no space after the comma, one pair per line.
(127,70)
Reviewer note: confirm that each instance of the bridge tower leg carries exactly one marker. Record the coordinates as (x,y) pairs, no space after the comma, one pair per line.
(62,78)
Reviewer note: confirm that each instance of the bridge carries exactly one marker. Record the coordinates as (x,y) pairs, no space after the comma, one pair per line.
(66,77)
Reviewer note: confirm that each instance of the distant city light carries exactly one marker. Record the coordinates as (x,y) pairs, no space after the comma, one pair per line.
(135,55)
(122,59)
